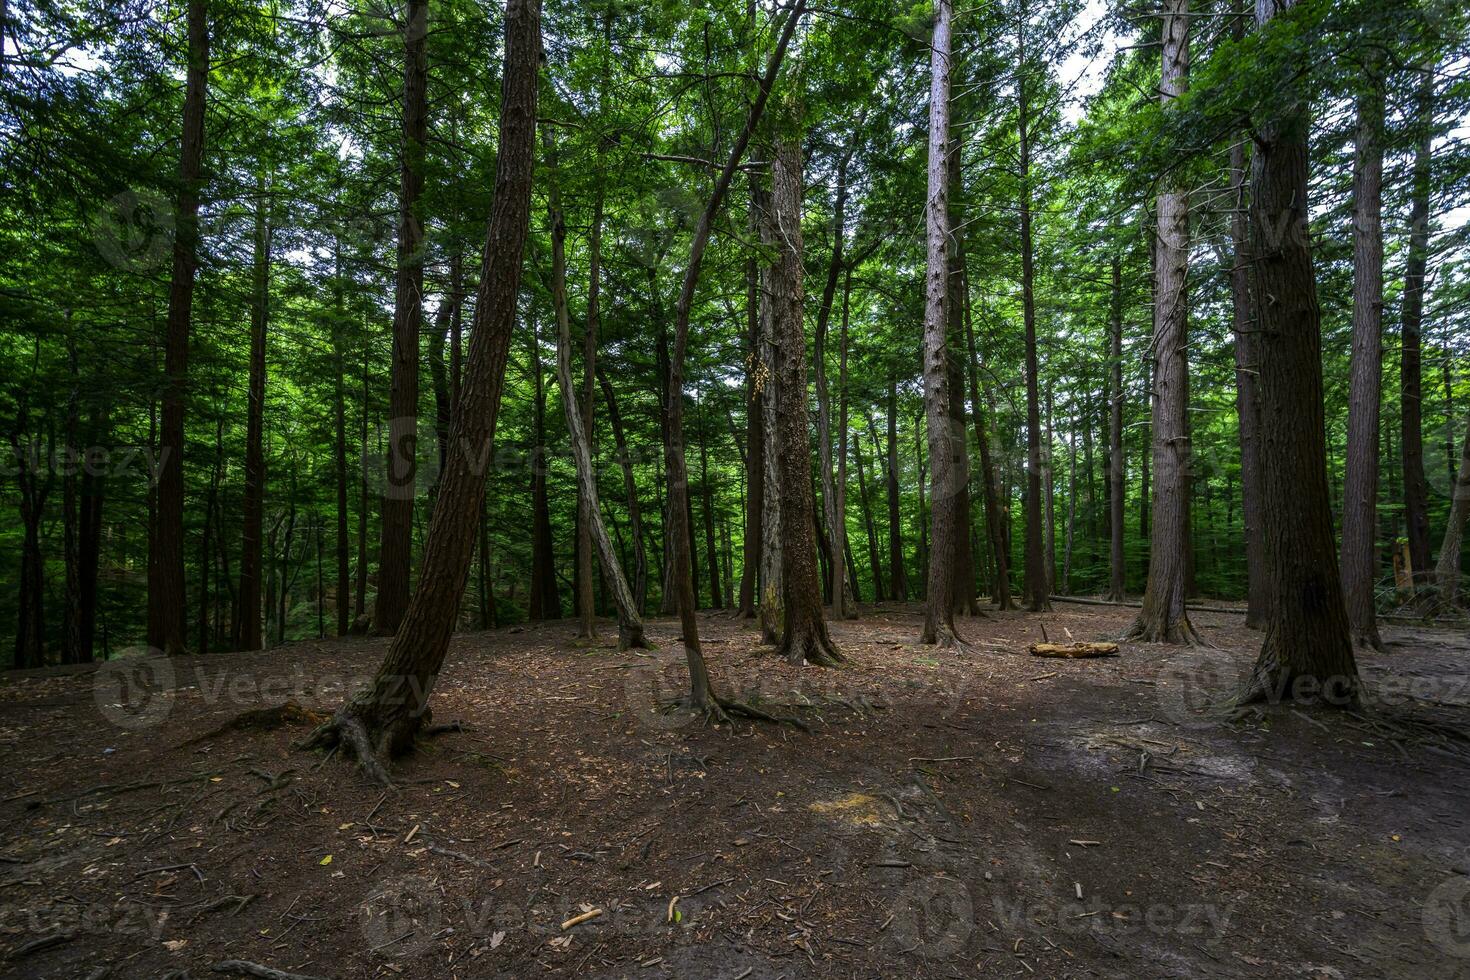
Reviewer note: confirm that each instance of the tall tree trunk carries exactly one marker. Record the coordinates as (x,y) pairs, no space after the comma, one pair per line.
(1117,461)
(545,600)
(89,546)
(166,586)
(1048,490)
(1307,640)
(772,615)
(898,579)
(711,552)
(31,461)
(948,461)
(630,621)
(1036,587)
(840,495)
(395,550)
(804,636)
(1064,584)
(253,504)
(339,452)
(1360,487)
(630,493)
(384,718)
(1247,401)
(838,584)
(755,430)
(359,601)
(956,310)
(1411,438)
(1163,618)
(72,651)
(994,522)
(1447,572)
(588,515)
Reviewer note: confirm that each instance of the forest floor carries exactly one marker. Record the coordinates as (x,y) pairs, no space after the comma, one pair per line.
(982,813)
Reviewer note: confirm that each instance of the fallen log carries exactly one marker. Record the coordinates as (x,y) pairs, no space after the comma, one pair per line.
(1073,651)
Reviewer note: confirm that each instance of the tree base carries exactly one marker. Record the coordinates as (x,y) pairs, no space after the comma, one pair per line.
(373,739)
(630,637)
(811,647)
(1150,629)
(944,637)
(717,710)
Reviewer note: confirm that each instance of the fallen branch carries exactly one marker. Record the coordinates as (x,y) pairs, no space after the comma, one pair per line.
(244,968)
(1073,651)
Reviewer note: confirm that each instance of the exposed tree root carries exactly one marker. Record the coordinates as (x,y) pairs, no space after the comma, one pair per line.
(1180,632)
(720,710)
(631,637)
(811,647)
(944,637)
(264,719)
(373,743)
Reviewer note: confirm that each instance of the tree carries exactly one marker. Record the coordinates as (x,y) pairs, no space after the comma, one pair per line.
(1163,618)
(1036,585)
(395,551)
(1307,649)
(386,716)
(1117,462)
(947,456)
(247,623)
(1411,409)
(1447,572)
(1360,481)
(166,565)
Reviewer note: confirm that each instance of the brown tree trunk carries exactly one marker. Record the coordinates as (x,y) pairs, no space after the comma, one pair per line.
(772,616)
(545,598)
(1360,487)
(1117,462)
(1247,402)
(1411,438)
(339,454)
(956,310)
(1163,618)
(588,515)
(994,522)
(166,585)
(1307,640)
(395,549)
(89,545)
(248,610)
(385,717)
(755,459)
(711,552)
(1036,587)
(875,561)
(359,601)
(804,637)
(72,651)
(948,461)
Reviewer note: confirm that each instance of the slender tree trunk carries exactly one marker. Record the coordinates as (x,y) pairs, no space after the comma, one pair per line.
(72,651)
(1411,438)
(1036,586)
(630,621)
(166,588)
(1048,491)
(711,552)
(994,522)
(838,585)
(755,457)
(384,718)
(1064,584)
(395,550)
(772,615)
(586,600)
(898,579)
(840,496)
(1307,640)
(956,310)
(359,603)
(545,600)
(1360,487)
(948,461)
(89,546)
(339,424)
(630,494)
(1163,618)
(1247,401)
(875,561)
(253,504)
(1117,460)
(31,461)
(1447,572)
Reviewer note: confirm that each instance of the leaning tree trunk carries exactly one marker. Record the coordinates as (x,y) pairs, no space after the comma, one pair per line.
(1360,487)
(1117,462)
(166,585)
(804,637)
(630,622)
(1163,618)
(384,718)
(1307,640)
(1411,415)
(395,552)
(947,460)
(1447,573)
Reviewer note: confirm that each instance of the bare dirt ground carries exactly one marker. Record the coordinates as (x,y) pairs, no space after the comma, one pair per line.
(985,813)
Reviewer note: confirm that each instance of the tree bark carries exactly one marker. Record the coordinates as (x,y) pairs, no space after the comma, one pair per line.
(166,585)
(339,450)
(1163,618)
(711,552)
(1360,486)
(630,622)
(755,457)
(1247,401)
(395,550)
(898,579)
(1411,437)
(1307,640)
(772,615)
(994,522)
(545,598)
(1036,587)
(1447,572)
(875,561)
(948,461)
(385,717)
(804,636)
